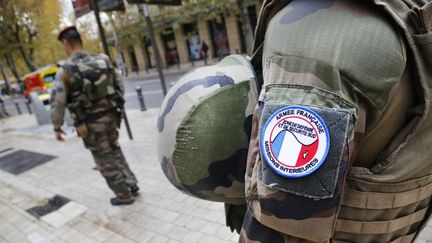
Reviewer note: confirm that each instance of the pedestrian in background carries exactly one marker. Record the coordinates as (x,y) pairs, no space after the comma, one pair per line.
(92,90)
(204,51)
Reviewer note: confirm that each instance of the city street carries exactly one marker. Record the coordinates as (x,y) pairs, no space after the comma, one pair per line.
(149,83)
(151,89)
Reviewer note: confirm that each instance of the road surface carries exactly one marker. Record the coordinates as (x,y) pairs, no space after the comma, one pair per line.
(150,85)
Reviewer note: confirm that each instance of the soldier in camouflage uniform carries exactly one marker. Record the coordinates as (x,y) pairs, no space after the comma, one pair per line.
(349,64)
(92,90)
(339,138)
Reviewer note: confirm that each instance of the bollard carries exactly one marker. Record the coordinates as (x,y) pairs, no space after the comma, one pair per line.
(140,98)
(18,108)
(28,107)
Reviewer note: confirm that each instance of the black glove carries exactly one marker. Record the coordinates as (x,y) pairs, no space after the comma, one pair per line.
(234,215)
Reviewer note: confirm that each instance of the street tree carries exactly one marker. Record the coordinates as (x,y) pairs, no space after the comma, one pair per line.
(19,30)
(29,29)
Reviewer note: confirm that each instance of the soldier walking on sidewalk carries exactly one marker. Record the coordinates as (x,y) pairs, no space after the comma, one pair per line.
(92,90)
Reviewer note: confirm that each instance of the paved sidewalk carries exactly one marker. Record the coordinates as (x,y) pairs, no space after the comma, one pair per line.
(161,213)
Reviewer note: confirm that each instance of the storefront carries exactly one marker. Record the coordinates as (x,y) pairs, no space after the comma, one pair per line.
(149,56)
(193,41)
(133,60)
(219,37)
(169,45)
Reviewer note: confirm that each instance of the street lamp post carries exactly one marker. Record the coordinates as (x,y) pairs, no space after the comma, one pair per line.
(95,7)
(155,49)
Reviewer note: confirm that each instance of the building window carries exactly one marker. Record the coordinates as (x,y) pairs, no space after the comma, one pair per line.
(170,47)
(219,37)
(133,59)
(149,55)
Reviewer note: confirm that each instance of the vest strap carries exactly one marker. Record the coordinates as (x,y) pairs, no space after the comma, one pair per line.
(380,227)
(376,200)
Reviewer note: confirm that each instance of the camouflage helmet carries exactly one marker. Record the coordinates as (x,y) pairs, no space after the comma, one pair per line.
(204,130)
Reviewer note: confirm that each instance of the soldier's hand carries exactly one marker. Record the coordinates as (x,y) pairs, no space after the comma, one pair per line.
(59,135)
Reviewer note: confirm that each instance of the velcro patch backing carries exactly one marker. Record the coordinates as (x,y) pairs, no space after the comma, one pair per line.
(321,183)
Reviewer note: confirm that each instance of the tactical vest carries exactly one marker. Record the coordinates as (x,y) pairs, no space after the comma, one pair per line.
(90,85)
(386,199)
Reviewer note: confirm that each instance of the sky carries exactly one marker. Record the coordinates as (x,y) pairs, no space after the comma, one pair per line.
(67,12)
(69,18)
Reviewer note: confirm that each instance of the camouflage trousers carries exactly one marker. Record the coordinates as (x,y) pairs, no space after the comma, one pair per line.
(100,137)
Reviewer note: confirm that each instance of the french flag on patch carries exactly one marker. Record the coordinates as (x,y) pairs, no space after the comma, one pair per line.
(293,150)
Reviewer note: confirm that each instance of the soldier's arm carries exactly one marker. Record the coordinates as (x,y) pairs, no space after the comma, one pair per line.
(354,100)
(58,101)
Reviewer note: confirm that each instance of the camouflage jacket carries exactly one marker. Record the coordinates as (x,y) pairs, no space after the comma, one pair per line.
(339,134)
(345,62)
(60,96)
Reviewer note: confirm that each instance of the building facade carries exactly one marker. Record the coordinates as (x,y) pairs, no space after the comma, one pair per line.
(180,41)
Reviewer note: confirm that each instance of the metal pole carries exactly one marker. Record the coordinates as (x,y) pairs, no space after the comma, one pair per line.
(28,107)
(155,49)
(18,108)
(117,45)
(127,126)
(95,7)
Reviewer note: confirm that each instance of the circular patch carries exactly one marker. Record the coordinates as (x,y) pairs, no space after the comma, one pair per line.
(294,141)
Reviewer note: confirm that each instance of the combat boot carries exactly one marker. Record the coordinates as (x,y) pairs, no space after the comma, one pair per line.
(115,201)
(134,190)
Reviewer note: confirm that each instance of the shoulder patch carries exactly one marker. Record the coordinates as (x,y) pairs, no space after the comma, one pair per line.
(294,141)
